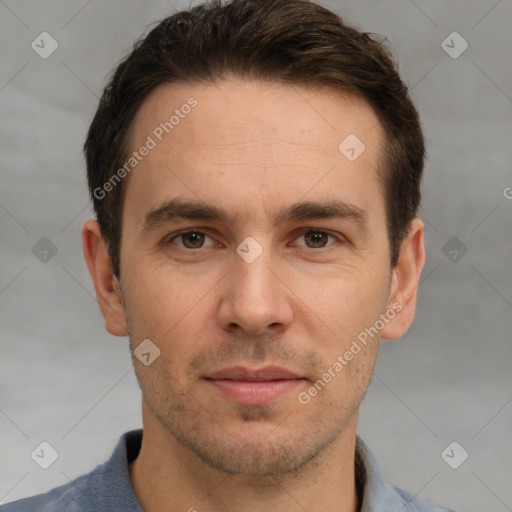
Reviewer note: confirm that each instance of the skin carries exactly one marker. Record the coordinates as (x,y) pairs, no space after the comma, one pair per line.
(251,149)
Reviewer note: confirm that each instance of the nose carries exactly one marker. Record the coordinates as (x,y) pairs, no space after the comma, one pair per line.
(254,297)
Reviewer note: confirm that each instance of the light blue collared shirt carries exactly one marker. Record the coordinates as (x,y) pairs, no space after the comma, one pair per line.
(107,488)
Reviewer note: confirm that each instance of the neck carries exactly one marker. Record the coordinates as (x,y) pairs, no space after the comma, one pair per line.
(167,476)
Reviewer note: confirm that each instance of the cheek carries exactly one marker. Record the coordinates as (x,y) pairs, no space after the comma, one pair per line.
(349,309)
(168,309)
(157,294)
(347,299)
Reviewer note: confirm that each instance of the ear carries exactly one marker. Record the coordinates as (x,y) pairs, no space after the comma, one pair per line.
(405,281)
(106,285)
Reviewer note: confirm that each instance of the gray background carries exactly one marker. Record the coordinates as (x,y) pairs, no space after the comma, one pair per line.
(65,380)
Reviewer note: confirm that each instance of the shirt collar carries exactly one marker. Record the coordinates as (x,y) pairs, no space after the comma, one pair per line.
(377,494)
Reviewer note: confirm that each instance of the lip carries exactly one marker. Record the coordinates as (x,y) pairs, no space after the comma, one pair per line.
(241,373)
(254,387)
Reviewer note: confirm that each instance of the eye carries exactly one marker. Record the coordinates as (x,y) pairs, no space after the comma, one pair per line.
(195,239)
(316,239)
(191,239)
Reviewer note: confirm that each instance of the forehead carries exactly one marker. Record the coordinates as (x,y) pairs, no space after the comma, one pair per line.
(240,135)
(317,113)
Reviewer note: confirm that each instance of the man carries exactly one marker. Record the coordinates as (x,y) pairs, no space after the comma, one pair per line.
(255,168)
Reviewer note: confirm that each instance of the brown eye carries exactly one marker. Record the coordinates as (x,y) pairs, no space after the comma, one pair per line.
(190,239)
(195,239)
(317,239)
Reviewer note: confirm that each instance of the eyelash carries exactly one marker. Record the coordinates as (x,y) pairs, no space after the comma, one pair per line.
(325,249)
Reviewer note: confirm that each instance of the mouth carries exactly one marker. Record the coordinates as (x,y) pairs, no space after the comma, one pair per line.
(247,386)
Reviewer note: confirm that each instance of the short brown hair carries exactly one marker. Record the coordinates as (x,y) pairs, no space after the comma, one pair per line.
(290,42)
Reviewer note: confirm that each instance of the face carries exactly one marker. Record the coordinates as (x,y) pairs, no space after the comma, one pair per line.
(260,275)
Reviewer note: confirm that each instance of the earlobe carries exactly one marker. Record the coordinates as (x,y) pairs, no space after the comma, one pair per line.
(405,281)
(106,285)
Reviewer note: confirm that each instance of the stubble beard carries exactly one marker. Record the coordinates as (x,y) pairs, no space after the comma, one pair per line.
(267,450)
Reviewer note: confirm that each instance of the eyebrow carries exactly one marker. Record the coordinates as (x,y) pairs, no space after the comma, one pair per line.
(177,209)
